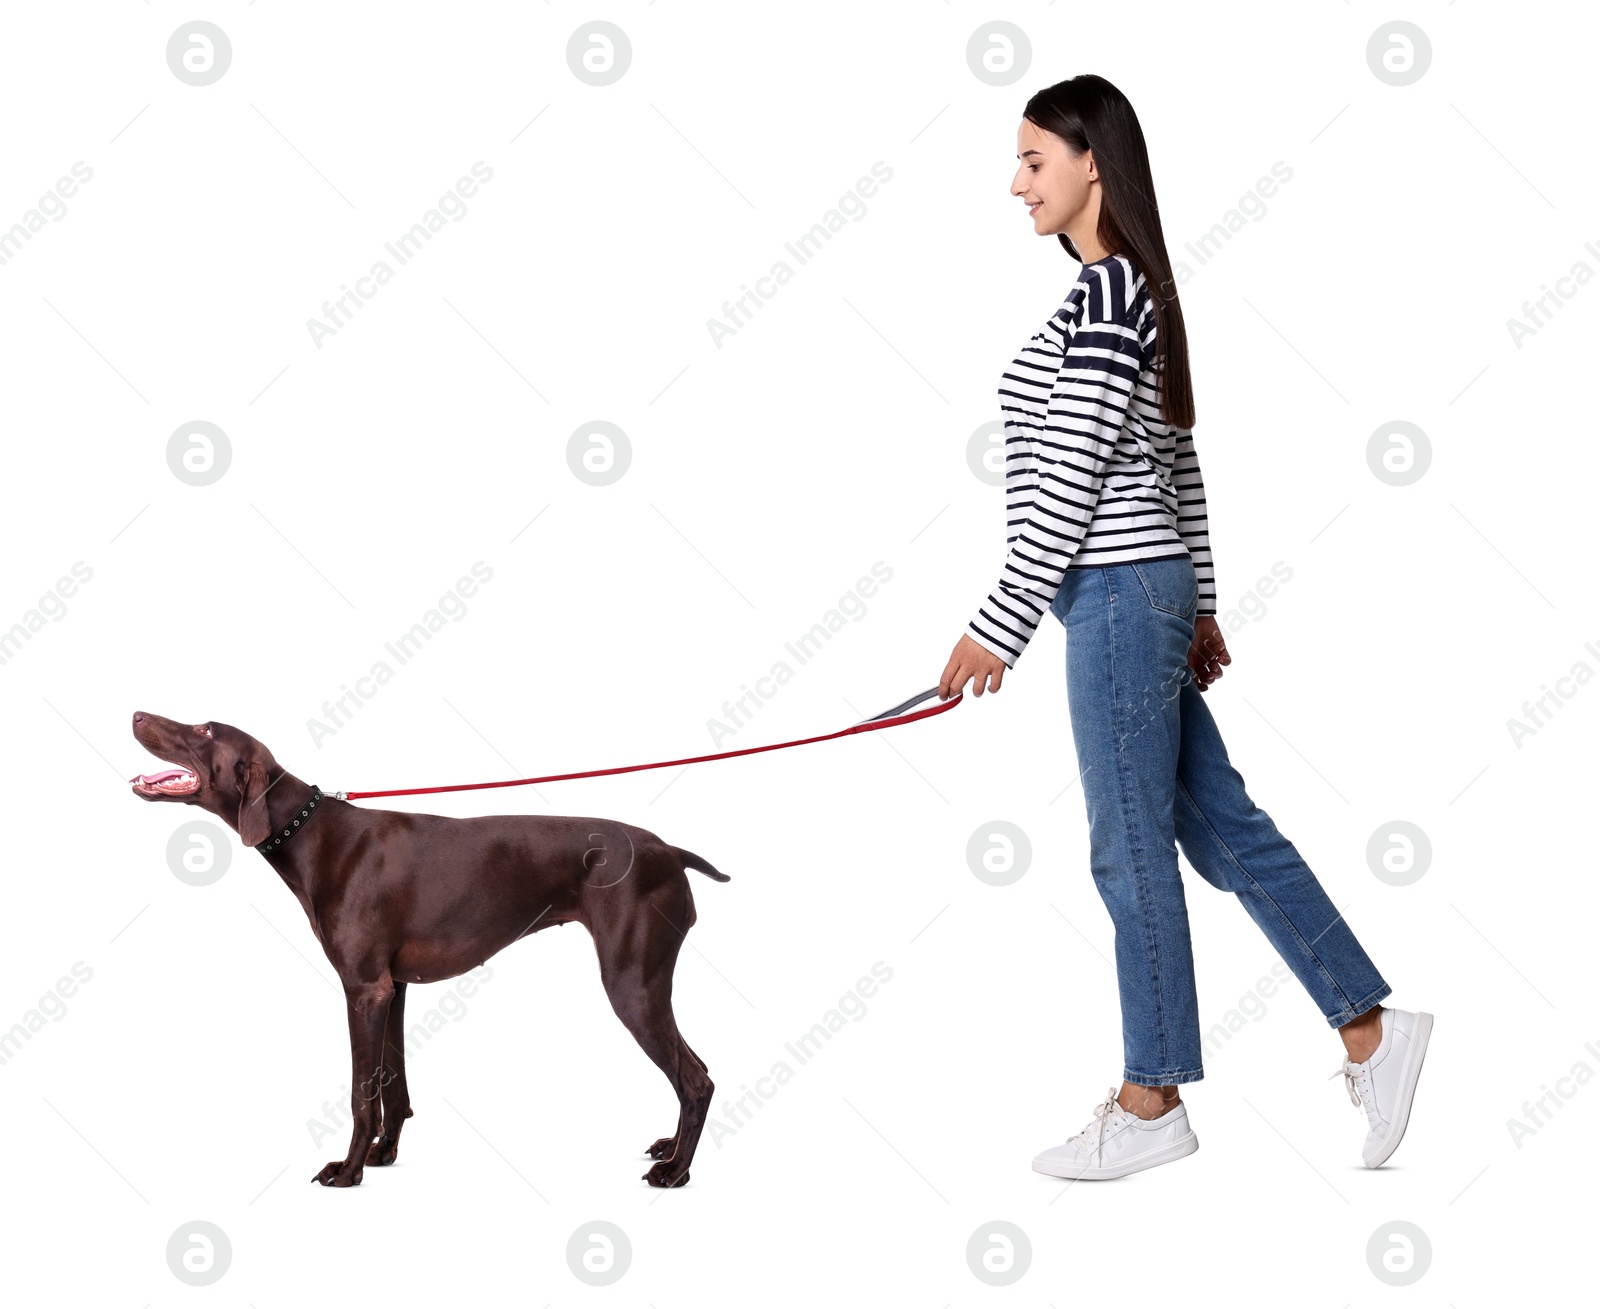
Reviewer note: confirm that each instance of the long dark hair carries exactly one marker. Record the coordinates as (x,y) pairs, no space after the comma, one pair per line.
(1088,112)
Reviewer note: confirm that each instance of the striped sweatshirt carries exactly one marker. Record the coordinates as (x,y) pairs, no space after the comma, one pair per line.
(1093,476)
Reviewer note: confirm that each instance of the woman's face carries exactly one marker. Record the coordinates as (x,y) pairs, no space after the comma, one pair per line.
(1056,185)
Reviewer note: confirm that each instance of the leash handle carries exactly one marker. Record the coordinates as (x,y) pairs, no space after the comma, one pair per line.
(895,717)
(901,708)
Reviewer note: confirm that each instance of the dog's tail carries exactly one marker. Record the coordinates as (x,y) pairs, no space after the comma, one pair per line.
(692,860)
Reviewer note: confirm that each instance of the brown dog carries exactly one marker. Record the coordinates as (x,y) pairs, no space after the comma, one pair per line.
(399,897)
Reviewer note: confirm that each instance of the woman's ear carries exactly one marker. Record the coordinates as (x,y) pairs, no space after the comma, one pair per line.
(254,825)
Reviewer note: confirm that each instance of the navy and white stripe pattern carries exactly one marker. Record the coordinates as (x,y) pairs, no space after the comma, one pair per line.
(1093,475)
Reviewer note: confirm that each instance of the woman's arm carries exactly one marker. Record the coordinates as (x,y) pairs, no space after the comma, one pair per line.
(1208,652)
(1088,404)
(1192,522)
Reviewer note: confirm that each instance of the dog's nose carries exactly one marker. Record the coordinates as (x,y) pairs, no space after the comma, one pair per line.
(137,718)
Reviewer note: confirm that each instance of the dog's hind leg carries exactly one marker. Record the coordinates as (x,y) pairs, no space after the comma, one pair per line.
(367,1008)
(667,1146)
(396,1098)
(636,970)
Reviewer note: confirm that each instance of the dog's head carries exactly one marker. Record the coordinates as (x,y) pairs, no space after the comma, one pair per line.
(223,770)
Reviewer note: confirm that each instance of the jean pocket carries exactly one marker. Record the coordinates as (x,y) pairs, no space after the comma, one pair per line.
(1171,585)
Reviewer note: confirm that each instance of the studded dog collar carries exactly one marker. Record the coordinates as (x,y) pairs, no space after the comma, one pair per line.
(282,835)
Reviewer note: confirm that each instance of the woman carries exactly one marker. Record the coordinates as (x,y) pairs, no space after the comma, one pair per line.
(1106,518)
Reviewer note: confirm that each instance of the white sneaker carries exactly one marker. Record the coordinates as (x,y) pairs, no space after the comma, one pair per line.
(1117,1143)
(1384,1085)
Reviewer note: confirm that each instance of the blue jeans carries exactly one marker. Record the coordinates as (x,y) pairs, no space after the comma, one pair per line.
(1154,769)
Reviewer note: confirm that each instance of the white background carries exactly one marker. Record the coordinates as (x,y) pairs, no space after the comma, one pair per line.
(767,477)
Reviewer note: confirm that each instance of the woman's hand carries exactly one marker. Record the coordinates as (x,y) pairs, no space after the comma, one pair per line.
(1207,654)
(971,660)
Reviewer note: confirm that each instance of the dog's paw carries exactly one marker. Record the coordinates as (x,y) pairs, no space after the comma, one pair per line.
(662,1175)
(665,1148)
(337,1174)
(382,1152)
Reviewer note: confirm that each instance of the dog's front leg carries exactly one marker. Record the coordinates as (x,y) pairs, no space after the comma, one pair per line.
(396,1098)
(367,1006)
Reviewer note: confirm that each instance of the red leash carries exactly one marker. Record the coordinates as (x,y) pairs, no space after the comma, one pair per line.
(889,718)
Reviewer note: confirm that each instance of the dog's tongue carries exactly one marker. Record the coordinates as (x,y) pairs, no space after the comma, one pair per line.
(165,775)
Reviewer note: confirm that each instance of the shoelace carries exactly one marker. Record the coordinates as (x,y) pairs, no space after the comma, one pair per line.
(1109,1111)
(1358,1086)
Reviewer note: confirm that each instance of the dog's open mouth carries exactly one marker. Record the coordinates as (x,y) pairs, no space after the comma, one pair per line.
(169,781)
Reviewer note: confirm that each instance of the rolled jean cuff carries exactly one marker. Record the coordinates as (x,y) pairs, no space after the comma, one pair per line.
(1161,1079)
(1355,1011)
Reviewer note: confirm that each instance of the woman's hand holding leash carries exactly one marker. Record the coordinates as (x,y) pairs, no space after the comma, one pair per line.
(970,660)
(1207,654)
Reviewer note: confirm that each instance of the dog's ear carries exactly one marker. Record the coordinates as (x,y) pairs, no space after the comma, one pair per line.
(254,826)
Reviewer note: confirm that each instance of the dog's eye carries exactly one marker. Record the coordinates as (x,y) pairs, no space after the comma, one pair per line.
(205,729)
